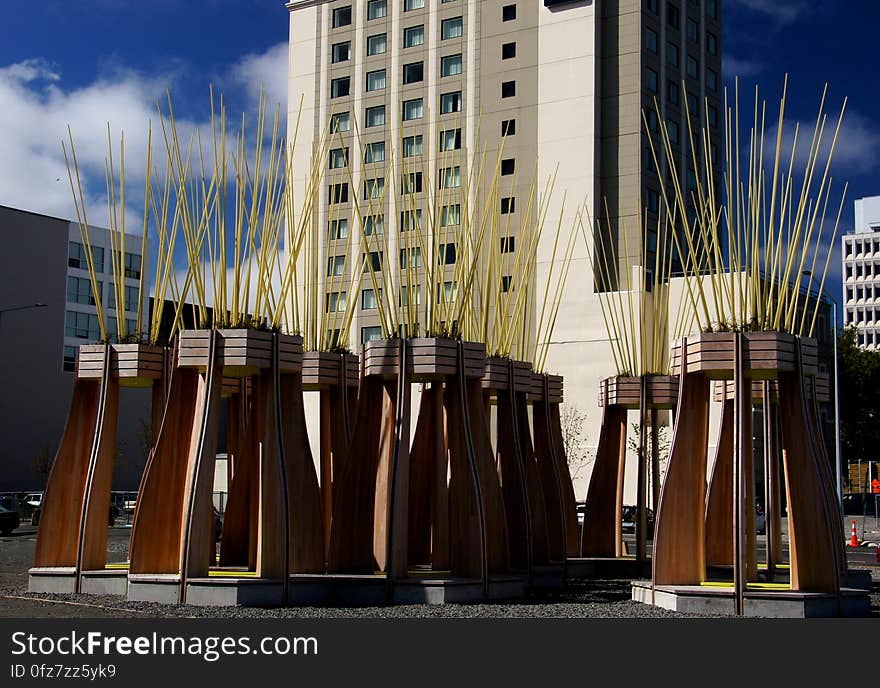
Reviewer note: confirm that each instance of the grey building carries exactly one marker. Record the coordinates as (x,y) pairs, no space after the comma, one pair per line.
(38,345)
(861,273)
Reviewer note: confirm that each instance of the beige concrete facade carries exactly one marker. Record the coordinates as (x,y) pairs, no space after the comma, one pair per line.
(579,70)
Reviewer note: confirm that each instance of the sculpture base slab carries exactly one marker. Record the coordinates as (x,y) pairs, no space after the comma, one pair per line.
(549,577)
(370,590)
(609,568)
(52,579)
(779,604)
(104,582)
(163,588)
(859,579)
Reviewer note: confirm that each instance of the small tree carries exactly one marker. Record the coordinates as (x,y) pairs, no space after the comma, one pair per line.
(574,439)
(42,464)
(663,443)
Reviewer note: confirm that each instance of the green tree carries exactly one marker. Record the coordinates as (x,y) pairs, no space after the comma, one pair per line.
(859,371)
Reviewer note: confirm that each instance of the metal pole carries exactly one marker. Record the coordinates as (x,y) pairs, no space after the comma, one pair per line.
(837,416)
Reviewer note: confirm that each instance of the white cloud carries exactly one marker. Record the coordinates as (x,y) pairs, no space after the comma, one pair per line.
(783,11)
(736,67)
(269,70)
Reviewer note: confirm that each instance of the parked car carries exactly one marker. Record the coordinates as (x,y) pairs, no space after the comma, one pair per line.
(218,525)
(629,520)
(581,509)
(9,520)
(112,514)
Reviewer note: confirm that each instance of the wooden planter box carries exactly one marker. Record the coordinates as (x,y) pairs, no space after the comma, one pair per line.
(242,352)
(554,388)
(497,375)
(135,365)
(722,390)
(427,359)
(765,354)
(321,370)
(662,392)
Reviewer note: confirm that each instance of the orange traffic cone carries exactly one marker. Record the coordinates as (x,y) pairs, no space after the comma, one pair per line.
(853,539)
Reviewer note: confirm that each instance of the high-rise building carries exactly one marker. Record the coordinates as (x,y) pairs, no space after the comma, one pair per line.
(46,311)
(861,274)
(558,87)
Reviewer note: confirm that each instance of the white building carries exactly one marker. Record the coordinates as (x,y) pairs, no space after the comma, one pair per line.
(861,273)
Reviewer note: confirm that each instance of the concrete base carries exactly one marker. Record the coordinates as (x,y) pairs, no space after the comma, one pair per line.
(550,577)
(371,590)
(229,592)
(860,579)
(163,588)
(104,582)
(52,579)
(788,604)
(608,568)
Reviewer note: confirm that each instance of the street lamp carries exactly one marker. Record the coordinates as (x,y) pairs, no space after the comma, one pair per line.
(38,304)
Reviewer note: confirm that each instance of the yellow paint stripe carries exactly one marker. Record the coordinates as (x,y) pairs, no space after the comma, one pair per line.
(214,573)
(117,566)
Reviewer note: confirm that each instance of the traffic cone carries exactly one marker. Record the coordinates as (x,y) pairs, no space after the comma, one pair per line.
(853,538)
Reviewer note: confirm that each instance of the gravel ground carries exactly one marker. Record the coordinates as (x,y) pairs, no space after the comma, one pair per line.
(580,599)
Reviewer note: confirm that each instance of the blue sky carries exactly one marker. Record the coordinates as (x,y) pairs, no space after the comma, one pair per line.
(90,61)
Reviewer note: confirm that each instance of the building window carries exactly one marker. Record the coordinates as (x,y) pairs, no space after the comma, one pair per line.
(450,139)
(413,36)
(693,67)
(506,283)
(451,28)
(711,43)
(79,290)
(130,295)
(508,244)
(341,52)
(413,109)
(411,183)
(711,80)
(338,158)
(653,124)
(508,166)
(711,9)
(376,80)
(450,102)
(374,152)
(369,334)
(672,54)
(76,257)
(372,261)
(410,258)
(132,265)
(113,326)
(450,65)
(416,295)
(651,6)
(340,121)
(410,220)
(508,13)
(508,89)
(508,51)
(81,325)
(413,72)
(712,115)
(446,255)
(650,80)
(377,45)
(450,215)
(335,301)
(450,177)
(413,5)
(412,146)
(341,16)
(508,127)
(508,205)
(335,266)
(672,92)
(673,16)
(652,200)
(369,302)
(341,87)
(673,131)
(693,104)
(374,188)
(449,293)
(374,116)
(651,41)
(374,224)
(650,163)
(376,9)
(69,363)
(338,193)
(338,229)
(693,31)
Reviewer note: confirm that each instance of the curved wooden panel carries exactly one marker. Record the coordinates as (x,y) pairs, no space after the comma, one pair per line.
(428,530)
(354,490)
(156,529)
(679,537)
(551,482)
(335,414)
(304,493)
(537,508)
(569,501)
(814,563)
(93,521)
(719,504)
(602,534)
(513,489)
(57,536)
(240,516)
(497,555)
